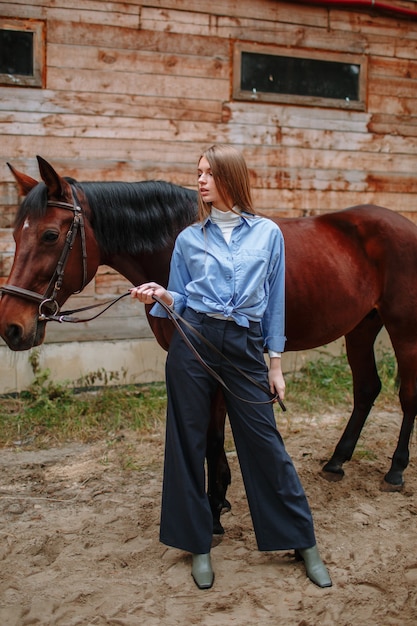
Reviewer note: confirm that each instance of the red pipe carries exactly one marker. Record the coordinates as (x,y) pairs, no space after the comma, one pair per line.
(397,11)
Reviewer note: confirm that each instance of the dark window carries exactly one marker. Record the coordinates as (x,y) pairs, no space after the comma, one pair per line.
(301,77)
(16,52)
(22,52)
(320,79)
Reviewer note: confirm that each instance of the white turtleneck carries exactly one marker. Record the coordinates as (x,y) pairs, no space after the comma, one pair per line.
(226,220)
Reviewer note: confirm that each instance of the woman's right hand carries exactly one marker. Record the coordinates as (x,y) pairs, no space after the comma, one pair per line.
(145,293)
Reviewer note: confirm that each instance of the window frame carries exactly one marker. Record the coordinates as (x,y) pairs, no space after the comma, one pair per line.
(320,55)
(38,28)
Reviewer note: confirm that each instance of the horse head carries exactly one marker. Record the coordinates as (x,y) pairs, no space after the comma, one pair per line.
(56,255)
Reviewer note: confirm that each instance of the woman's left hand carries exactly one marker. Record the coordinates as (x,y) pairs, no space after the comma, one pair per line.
(276,377)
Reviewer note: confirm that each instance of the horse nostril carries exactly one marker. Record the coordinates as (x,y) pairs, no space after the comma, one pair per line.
(13,334)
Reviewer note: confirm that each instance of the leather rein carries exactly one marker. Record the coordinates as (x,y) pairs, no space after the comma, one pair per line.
(176,318)
(49,308)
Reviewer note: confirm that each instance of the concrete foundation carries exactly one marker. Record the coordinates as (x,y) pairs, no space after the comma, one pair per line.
(135,360)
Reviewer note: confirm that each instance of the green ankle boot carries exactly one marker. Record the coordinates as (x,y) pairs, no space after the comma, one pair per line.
(202,571)
(315,568)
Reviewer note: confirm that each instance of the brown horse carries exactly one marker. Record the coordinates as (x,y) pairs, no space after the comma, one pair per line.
(348,273)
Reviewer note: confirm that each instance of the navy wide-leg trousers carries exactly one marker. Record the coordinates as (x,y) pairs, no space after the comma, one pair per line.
(279,509)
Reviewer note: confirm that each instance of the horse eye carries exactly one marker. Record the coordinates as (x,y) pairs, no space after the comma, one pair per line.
(50,236)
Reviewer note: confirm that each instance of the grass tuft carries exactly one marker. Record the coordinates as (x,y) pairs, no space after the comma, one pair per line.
(327,382)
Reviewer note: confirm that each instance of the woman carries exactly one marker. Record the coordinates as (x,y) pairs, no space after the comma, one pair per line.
(227,280)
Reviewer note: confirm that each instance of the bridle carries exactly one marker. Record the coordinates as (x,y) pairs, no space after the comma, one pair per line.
(49,308)
(48,304)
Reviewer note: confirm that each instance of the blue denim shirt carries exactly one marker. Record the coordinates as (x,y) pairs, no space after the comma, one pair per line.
(243,279)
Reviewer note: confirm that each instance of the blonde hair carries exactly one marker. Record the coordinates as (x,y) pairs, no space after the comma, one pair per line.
(230,173)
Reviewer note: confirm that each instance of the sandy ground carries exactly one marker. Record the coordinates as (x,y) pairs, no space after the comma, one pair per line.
(79,539)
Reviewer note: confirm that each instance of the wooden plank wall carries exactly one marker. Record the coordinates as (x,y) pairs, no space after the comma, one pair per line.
(134,91)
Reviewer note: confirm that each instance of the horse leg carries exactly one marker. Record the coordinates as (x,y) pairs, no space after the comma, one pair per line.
(407,367)
(218,471)
(366,387)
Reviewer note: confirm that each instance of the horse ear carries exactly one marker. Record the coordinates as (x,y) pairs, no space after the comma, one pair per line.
(56,184)
(24,182)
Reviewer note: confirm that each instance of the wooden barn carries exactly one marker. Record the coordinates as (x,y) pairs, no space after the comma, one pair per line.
(320,96)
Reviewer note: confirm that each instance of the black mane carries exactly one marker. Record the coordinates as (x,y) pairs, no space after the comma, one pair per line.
(130,218)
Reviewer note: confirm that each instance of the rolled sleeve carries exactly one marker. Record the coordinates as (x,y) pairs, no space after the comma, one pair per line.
(273,322)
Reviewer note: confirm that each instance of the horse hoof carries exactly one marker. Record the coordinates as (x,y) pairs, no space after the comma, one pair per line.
(226,506)
(331,477)
(390,488)
(217,528)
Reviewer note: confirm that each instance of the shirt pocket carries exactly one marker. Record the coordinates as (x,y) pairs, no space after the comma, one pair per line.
(252,273)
